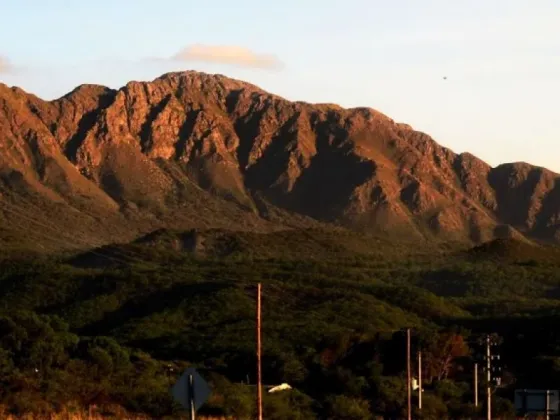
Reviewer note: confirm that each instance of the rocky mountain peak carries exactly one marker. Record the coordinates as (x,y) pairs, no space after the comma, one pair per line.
(145,149)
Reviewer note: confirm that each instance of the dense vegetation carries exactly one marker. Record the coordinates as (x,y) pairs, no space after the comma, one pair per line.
(115,327)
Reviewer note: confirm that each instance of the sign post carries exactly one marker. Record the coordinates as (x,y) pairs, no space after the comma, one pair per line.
(537,401)
(191,398)
(191,391)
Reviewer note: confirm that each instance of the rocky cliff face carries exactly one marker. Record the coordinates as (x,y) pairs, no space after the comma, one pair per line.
(191,148)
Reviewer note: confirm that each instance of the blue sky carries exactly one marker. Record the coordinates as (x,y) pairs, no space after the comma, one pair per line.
(501,58)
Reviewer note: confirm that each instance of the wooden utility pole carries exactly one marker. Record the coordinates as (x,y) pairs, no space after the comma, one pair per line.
(489,380)
(476,384)
(259,378)
(419,379)
(408,375)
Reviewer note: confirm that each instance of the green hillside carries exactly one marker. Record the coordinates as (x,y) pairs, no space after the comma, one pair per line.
(115,326)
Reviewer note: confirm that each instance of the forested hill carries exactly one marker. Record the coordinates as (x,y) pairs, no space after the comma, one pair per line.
(114,327)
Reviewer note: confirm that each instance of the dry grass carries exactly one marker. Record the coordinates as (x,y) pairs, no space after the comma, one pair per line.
(85,416)
(91,414)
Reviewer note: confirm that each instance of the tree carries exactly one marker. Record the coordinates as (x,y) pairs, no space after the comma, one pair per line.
(441,353)
(341,407)
(288,405)
(390,396)
(36,342)
(432,408)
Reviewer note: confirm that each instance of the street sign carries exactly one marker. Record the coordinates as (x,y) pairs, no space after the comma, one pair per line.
(191,390)
(537,401)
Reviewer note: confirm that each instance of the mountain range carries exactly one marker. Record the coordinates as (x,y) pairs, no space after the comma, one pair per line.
(193,150)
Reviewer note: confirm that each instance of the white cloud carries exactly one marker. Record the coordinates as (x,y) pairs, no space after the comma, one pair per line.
(227,54)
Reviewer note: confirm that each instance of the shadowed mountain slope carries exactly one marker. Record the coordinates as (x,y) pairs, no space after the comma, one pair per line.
(194,150)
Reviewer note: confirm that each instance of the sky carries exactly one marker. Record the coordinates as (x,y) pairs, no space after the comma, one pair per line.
(501,58)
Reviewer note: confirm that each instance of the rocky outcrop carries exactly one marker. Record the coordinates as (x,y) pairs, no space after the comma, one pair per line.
(139,156)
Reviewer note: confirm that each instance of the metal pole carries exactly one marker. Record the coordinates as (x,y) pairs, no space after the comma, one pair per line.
(488,379)
(408,375)
(420,380)
(259,377)
(476,384)
(191,398)
(547,415)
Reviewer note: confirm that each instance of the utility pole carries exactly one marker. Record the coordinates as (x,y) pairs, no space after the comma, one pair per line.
(476,384)
(408,375)
(488,379)
(419,380)
(259,378)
